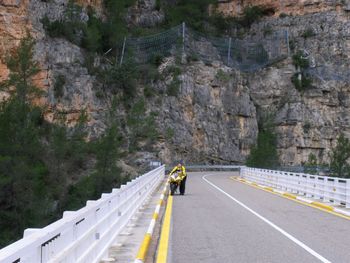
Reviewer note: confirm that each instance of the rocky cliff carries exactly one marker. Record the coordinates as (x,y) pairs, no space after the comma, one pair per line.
(55,56)
(213,118)
(278,7)
(310,121)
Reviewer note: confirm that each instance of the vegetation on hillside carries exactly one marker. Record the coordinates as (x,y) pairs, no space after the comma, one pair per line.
(264,153)
(39,161)
(300,80)
(339,158)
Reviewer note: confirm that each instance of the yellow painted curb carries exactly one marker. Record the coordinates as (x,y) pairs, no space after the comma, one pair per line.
(268,189)
(316,205)
(323,206)
(141,255)
(164,237)
(143,250)
(155,216)
(290,195)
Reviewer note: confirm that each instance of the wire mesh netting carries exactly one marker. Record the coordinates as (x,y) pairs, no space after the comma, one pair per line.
(143,49)
(245,55)
(328,72)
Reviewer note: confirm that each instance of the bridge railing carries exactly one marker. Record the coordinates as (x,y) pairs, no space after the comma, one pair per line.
(212,167)
(84,235)
(328,189)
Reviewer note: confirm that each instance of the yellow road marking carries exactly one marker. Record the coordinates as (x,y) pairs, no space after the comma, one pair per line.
(290,195)
(164,237)
(141,255)
(322,208)
(268,189)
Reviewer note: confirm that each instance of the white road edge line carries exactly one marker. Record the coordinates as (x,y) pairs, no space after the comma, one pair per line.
(289,236)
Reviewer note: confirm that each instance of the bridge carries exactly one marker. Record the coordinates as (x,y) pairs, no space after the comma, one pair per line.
(228,214)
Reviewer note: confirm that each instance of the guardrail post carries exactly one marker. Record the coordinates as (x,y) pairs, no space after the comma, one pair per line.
(347,193)
(337,192)
(229,51)
(123,52)
(309,183)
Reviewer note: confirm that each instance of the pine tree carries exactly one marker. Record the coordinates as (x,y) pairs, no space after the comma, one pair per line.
(340,156)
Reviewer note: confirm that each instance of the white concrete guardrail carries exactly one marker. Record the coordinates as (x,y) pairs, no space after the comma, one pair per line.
(84,235)
(328,189)
(211,167)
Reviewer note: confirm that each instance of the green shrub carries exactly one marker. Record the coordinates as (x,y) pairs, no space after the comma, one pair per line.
(311,165)
(292,44)
(148,73)
(99,94)
(192,57)
(222,76)
(158,5)
(148,91)
(267,31)
(69,26)
(194,13)
(169,133)
(308,33)
(92,39)
(173,88)
(299,61)
(283,15)
(251,14)
(157,59)
(339,157)
(60,81)
(121,78)
(264,153)
(307,127)
(302,85)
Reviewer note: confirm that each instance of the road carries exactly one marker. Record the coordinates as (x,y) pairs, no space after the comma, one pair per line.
(221,220)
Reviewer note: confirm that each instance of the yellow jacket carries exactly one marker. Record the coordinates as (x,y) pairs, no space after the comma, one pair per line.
(182,170)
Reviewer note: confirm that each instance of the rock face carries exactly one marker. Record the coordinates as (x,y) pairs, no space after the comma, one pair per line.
(55,56)
(215,116)
(310,121)
(145,14)
(277,7)
(213,119)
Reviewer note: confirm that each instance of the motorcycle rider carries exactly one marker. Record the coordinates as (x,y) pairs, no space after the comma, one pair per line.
(182,170)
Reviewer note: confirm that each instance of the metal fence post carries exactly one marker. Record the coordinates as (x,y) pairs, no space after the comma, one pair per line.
(123,50)
(347,193)
(287,39)
(183,42)
(183,36)
(229,51)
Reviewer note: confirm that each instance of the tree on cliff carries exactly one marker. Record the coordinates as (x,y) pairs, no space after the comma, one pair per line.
(264,153)
(340,156)
(22,70)
(24,195)
(39,161)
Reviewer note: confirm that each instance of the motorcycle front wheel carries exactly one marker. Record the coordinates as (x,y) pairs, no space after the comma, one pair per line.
(173,187)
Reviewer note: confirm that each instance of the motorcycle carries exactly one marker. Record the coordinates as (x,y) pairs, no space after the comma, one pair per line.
(174,181)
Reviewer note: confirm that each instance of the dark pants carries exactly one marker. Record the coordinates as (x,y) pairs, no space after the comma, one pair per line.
(183,186)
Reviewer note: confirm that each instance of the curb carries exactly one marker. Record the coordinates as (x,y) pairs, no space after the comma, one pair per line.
(143,250)
(306,201)
(163,245)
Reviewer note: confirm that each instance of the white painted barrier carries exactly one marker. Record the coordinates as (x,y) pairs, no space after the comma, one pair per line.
(328,189)
(84,236)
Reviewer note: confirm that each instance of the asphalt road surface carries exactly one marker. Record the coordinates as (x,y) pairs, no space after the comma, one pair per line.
(220,220)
